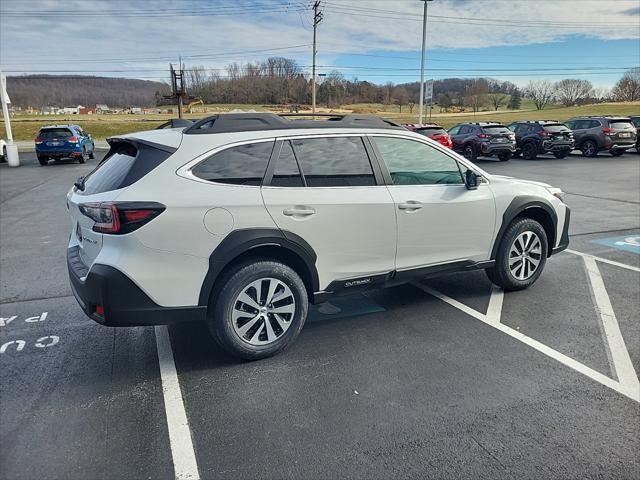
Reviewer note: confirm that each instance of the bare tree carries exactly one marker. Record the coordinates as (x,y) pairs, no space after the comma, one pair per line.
(571,90)
(412,105)
(497,100)
(541,92)
(627,89)
(400,96)
(476,94)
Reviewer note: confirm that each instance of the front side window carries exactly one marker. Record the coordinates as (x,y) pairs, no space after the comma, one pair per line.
(241,165)
(414,163)
(334,162)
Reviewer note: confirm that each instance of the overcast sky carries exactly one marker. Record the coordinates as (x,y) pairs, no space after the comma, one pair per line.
(377,40)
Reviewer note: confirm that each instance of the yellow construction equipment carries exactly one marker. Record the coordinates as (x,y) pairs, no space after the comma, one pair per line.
(194,103)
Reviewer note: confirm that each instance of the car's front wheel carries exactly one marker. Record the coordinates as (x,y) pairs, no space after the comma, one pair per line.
(259,310)
(521,256)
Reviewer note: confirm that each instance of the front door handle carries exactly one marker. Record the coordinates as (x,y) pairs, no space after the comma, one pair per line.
(298,211)
(410,206)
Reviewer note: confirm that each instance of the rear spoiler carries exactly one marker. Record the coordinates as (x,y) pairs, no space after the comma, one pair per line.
(176,123)
(113,141)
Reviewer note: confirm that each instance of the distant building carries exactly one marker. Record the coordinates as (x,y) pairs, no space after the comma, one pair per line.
(102,108)
(135,110)
(86,111)
(50,110)
(71,110)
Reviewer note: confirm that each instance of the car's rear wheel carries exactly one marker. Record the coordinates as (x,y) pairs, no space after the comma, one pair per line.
(561,153)
(589,148)
(504,156)
(521,256)
(259,309)
(616,153)
(470,153)
(529,151)
(44,161)
(84,155)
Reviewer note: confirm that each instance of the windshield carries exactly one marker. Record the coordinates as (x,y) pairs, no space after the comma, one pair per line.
(496,129)
(431,131)
(556,128)
(622,125)
(49,133)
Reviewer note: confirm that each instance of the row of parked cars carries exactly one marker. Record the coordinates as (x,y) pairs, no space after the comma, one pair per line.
(529,139)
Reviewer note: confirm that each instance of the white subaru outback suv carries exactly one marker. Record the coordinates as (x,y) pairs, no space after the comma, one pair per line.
(241,220)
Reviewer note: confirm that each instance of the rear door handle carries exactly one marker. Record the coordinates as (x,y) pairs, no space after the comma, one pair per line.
(298,211)
(410,206)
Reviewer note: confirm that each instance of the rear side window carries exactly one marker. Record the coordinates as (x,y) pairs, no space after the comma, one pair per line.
(334,162)
(241,165)
(286,173)
(125,164)
(49,133)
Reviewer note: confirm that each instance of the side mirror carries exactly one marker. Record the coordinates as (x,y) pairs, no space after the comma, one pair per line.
(471,180)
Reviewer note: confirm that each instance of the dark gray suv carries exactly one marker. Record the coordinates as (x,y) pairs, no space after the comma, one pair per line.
(595,134)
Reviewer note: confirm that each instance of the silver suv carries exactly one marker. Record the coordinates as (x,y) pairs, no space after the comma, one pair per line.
(595,134)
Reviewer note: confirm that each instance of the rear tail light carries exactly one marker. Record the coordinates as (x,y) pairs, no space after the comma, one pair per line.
(38,140)
(483,135)
(118,218)
(607,131)
(73,139)
(100,310)
(544,133)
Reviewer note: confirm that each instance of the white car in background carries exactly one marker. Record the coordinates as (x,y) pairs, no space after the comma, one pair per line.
(241,220)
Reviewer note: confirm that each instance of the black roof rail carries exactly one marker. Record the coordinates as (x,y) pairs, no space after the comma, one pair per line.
(175,123)
(245,122)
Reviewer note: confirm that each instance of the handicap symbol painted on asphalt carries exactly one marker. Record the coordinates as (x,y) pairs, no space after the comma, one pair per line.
(628,243)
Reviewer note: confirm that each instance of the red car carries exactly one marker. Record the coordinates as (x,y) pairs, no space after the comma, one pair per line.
(433,131)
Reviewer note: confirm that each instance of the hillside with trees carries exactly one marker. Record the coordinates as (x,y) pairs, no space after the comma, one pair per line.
(40,90)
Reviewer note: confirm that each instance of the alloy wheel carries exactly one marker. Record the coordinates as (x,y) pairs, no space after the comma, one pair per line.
(525,255)
(263,311)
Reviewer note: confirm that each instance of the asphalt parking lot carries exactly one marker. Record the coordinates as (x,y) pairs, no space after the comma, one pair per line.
(445,378)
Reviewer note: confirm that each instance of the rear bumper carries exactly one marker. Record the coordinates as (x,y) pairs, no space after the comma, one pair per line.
(556,147)
(124,303)
(620,146)
(490,149)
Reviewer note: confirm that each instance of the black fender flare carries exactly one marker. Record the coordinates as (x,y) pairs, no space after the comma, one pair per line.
(242,241)
(515,208)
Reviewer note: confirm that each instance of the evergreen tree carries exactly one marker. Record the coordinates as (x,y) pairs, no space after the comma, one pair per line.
(515,100)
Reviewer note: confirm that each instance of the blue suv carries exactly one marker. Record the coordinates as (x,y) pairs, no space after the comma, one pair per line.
(63,141)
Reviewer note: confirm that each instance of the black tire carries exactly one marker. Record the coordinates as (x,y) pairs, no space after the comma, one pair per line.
(529,151)
(4,155)
(589,148)
(500,273)
(505,156)
(44,161)
(92,155)
(616,153)
(83,155)
(561,153)
(470,153)
(516,154)
(224,299)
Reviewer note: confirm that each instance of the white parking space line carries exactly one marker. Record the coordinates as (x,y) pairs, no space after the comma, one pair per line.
(185,465)
(492,318)
(619,358)
(604,260)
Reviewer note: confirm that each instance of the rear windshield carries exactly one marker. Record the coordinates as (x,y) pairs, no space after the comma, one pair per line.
(125,164)
(556,128)
(49,133)
(431,131)
(622,125)
(496,129)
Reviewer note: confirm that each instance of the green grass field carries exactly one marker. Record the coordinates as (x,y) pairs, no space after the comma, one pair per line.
(25,127)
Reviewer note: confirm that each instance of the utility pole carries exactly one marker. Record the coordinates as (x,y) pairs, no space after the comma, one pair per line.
(12,158)
(178,90)
(422,58)
(317,18)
